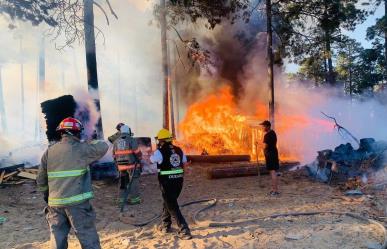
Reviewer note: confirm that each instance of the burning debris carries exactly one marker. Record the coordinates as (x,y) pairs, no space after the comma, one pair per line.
(345,164)
(55,111)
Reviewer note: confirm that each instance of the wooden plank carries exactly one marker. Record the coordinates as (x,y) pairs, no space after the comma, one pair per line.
(8,176)
(27,175)
(32,171)
(15,183)
(2,177)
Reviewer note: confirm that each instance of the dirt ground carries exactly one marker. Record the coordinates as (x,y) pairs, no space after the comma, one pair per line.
(238,198)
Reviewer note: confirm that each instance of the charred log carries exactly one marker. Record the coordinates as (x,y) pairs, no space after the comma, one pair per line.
(244,170)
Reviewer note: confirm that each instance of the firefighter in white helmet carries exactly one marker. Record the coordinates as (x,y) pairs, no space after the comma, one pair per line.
(127,156)
(64,178)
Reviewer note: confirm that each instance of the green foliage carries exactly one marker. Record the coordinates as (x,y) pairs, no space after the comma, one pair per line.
(35,12)
(211,11)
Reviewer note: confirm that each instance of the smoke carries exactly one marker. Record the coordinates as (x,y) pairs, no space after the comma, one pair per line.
(240,62)
(86,111)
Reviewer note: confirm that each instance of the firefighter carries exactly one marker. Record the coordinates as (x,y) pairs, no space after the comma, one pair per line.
(116,135)
(170,161)
(127,155)
(64,178)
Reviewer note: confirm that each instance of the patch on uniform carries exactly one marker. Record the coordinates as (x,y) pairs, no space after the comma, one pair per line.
(175,160)
(121,144)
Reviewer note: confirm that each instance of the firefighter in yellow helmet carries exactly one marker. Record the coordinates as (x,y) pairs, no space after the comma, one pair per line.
(64,178)
(170,161)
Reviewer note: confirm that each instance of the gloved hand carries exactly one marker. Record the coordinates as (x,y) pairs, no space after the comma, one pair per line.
(45,196)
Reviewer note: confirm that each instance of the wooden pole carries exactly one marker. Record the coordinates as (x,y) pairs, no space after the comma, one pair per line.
(270,63)
(165,68)
(91,59)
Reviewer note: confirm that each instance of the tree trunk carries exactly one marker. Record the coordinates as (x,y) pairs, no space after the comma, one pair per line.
(22,84)
(42,67)
(2,108)
(385,42)
(328,51)
(170,91)
(91,60)
(40,86)
(177,93)
(350,71)
(270,62)
(165,67)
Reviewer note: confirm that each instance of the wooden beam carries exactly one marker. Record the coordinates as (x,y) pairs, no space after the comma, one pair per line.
(2,177)
(27,175)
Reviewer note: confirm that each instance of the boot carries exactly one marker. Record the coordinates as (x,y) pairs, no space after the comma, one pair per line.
(185,234)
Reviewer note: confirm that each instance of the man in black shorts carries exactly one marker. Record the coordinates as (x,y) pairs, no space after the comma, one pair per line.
(271,155)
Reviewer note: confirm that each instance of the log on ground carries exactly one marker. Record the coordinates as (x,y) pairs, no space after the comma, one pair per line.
(244,170)
(218,158)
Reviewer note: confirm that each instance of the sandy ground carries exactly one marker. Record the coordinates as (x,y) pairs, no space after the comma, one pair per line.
(238,198)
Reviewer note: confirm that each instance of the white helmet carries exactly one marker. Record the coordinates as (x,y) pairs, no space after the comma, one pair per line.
(125,129)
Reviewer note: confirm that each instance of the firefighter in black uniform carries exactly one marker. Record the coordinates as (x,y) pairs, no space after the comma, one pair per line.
(170,161)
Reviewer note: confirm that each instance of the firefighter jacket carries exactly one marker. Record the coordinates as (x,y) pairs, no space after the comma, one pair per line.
(126,152)
(64,170)
(170,160)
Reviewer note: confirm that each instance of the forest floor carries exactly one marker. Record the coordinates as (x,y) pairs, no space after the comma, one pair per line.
(238,198)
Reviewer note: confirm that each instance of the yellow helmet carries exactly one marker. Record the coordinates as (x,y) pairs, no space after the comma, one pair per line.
(164,134)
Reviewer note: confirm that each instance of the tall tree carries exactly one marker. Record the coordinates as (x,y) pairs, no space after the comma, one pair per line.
(378,32)
(305,25)
(91,58)
(72,18)
(270,57)
(165,66)
(348,58)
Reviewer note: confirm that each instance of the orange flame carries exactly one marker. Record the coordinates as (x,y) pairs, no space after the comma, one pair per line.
(214,125)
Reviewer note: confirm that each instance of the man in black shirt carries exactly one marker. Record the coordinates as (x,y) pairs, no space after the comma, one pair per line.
(271,155)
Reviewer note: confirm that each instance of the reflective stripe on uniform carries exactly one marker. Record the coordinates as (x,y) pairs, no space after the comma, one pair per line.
(66,173)
(70,200)
(123,152)
(171,172)
(126,167)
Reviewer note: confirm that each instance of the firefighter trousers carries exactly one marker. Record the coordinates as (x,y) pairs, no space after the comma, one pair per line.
(170,191)
(81,218)
(134,195)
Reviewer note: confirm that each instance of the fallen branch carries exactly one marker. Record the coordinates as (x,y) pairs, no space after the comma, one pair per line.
(341,128)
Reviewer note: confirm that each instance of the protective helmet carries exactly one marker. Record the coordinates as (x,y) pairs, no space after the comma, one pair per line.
(118,127)
(164,134)
(125,129)
(70,124)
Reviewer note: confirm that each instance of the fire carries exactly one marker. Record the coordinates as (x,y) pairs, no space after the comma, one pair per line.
(215,125)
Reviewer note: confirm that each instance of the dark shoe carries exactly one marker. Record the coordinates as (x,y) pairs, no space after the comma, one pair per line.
(274,193)
(186,235)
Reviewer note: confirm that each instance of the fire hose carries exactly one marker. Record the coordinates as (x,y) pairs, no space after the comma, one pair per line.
(213,202)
